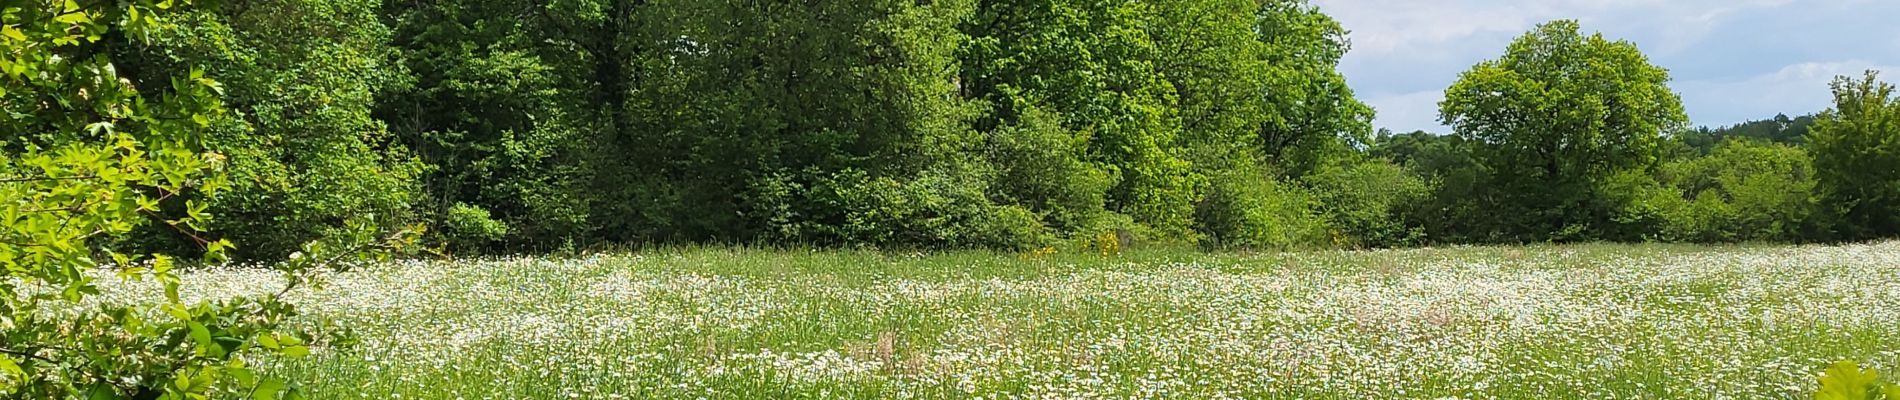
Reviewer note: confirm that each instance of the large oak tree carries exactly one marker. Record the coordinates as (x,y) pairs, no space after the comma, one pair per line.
(1558,113)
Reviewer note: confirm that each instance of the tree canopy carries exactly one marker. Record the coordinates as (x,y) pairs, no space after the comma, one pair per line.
(1557,114)
(1856,146)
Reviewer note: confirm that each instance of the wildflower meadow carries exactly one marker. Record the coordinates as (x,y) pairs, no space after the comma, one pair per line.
(1541,322)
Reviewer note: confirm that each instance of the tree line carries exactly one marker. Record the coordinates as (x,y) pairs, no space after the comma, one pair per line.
(524,126)
(324,133)
(512,126)
(1573,137)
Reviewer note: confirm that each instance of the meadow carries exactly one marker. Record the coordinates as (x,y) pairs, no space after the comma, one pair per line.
(1539,322)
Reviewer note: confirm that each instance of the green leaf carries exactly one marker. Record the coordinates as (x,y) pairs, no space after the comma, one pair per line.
(9,368)
(1847,381)
(296,351)
(182,382)
(244,376)
(73,18)
(268,389)
(12,33)
(203,337)
(101,392)
(101,127)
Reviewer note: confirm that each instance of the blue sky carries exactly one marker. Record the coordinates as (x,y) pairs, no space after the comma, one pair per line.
(1732,60)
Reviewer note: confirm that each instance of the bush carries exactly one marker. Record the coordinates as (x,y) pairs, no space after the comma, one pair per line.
(1254,210)
(1362,201)
(85,174)
(934,210)
(1638,207)
(1743,191)
(466,228)
(1040,167)
(305,152)
(1010,228)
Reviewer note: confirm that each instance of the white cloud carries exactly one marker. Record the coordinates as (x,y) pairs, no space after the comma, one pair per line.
(1407,112)
(1794,89)
(1380,26)
(1733,59)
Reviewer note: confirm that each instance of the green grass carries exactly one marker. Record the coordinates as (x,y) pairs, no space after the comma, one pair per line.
(1540,322)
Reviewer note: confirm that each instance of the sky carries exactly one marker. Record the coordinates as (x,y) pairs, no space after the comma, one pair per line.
(1731,60)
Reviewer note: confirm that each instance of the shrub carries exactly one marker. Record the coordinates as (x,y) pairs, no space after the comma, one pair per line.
(1743,191)
(1362,201)
(934,210)
(1637,206)
(305,153)
(1255,210)
(102,155)
(469,228)
(1039,166)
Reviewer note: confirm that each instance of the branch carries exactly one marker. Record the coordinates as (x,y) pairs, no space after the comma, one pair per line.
(358,248)
(200,241)
(72,368)
(28,355)
(19,244)
(44,179)
(203,244)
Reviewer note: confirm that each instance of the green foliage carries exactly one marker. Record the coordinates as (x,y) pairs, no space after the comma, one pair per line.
(1166,98)
(1094,67)
(1780,129)
(1313,117)
(893,123)
(1041,168)
(938,210)
(1013,124)
(1847,381)
(89,153)
(500,110)
(1743,191)
(1255,210)
(302,77)
(1556,115)
(470,228)
(1425,153)
(1856,147)
(834,123)
(1363,202)
(1452,210)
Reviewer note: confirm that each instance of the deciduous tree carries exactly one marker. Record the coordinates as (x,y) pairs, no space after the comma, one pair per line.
(1856,146)
(1560,111)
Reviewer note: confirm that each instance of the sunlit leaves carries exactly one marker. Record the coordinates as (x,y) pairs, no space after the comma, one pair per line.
(1847,381)
(1561,111)
(95,158)
(1856,146)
